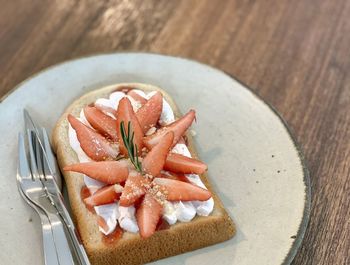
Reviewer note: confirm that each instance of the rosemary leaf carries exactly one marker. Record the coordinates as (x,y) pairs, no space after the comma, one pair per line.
(128,140)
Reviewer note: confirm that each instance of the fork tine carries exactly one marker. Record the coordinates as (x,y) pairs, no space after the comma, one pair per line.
(32,158)
(23,166)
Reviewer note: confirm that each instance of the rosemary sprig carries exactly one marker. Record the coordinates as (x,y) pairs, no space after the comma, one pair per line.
(128,140)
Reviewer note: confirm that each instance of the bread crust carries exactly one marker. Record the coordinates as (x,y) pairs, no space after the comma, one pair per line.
(131,248)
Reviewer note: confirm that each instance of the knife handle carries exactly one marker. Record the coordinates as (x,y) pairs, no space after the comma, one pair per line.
(73,232)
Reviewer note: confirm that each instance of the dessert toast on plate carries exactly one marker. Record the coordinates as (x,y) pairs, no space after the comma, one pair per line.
(126,143)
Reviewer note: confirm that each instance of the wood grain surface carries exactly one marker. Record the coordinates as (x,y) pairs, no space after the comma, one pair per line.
(294,54)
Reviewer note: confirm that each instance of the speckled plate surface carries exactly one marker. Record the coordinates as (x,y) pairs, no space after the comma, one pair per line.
(254,163)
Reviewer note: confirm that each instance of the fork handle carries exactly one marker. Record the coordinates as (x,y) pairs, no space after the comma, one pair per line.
(50,255)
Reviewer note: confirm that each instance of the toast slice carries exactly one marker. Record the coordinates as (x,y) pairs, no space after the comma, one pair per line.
(181,237)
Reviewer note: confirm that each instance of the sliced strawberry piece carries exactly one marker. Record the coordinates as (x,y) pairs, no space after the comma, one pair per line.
(175,190)
(137,97)
(148,215)
(135,187)
(101,122)
(174,176)
(179,127)
(126,114)
(110,172)
(105,195)
(155,159)
(148,115)
(94,145)
(102,223)
(182,164)
(85,193)
(181,141)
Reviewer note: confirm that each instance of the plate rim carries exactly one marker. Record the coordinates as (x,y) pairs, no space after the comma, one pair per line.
(307,182)
(306,174)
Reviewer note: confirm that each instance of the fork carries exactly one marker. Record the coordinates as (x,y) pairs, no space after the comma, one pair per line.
(30,184)
(50,254)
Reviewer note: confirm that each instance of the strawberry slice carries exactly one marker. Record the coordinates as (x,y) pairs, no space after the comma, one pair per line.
(85,193)
(182,141)
(101,122)
(155,159)
(178,127)
(126,114)
(105,195)
(149,114)
(174,176)
(181,191)
(137,97)
(94,145)
(148,215)
(110,172)
(135,187)
(182,164)
(102,223)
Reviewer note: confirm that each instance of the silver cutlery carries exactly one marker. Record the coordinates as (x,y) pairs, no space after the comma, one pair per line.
(33,191)
(50,176)
(50,254)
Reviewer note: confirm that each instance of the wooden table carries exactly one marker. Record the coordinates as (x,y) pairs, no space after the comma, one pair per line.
(294,54)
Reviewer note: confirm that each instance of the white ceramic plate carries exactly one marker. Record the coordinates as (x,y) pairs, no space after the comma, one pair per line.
(254,163)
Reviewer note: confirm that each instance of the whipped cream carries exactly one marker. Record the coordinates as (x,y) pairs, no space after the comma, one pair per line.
(185,211)
(127,219)
(93,184)
(181,149)
(169,213)
(110,213)
(106,106)
(125,216)
(203,208)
